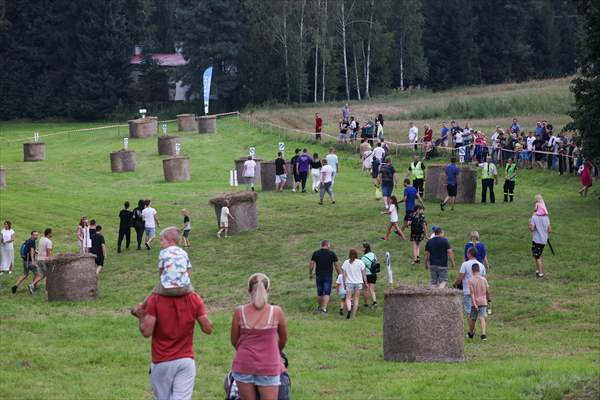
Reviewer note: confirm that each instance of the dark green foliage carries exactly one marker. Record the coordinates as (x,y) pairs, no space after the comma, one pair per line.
(152,83)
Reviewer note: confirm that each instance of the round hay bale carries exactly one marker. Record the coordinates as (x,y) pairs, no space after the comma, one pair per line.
(239,167)
(267,175)
(2,177)
(122,161)
(176,169)
(436,191)
(71,277)
(166,145)
(143,127)
(423,324)
(34,151)
(186,122)
(242,205)
(207,124)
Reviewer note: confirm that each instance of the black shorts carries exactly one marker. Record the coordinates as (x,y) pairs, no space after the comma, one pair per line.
(537,250)
(372,278)
(99,261)
(407,215)
(186,233)
(297,177)
(452,189)
(417,236)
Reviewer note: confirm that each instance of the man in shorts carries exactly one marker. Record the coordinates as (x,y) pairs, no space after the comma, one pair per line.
(452,177)
(249,172)
(437,254)
(280,172)
(29,261)
(387,179)
(539,225)
(150,223)
(480,296)
(44,254)
(465,273)
(321,264)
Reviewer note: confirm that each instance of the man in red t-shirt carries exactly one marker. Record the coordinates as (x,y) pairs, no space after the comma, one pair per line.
(171,321)
(318,126)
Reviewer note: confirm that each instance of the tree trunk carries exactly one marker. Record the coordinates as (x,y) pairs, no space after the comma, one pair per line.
(356,72)
(301,29)
(285,56)
(343,20)
(369,50)
(322,56)
(402,62)
(317,49)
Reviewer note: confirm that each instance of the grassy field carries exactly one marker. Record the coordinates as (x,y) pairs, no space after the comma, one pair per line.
(543,336)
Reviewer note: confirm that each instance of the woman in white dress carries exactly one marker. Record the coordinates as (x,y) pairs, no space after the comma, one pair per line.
(83,235)
(8,248)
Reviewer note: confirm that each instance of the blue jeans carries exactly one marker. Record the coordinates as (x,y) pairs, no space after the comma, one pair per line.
(467,303)
(257,380)
(324,286)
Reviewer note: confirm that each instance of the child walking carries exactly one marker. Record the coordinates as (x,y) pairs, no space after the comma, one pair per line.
(224,221)
(393,212)
(341,291)
(187,227)
(418,227)
(480,296)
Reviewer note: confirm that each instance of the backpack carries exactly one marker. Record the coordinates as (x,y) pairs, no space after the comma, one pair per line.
(375,267)
(24,251)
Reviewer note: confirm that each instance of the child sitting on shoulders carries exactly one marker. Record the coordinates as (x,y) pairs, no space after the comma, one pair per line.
(540,207)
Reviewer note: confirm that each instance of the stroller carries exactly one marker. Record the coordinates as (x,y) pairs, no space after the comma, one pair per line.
(285,387)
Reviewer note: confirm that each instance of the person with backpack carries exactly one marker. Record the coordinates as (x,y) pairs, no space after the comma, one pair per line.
(28,254)
(372,268)
(418,227)
(137,222)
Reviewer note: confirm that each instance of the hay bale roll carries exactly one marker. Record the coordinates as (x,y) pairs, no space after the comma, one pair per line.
(166,145)
(71,277)
(2,177)
(122,161)
(207,124)
(423,324)
(239,167)
(267,175)
(436,177)
(176,169)
(143,127)
(243,207)
(186,122)
(34,151)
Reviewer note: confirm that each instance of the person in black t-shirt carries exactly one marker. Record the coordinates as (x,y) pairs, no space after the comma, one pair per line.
(280,172)
(98,248)
(322,263)
(138,223)
(294,162)
(438,253)
(125,217)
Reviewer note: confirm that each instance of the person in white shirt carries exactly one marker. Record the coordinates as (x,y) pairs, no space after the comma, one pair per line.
(530,150)
(413,135)
(249,172)
(326,184)
(8,248)
(150,223)
(393,212)
(367,160)
(341,290)
(44,254)
(224,221)
(354,276)
(379,152)
(466,272)
(333,162)
(496,144)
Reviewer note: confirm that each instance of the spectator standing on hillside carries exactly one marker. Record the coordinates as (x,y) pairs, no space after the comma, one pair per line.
(539,225)
(187,227)
(99,249)
(322,263)
(452,174)
(480,296)
(510,178)
(280,172)
(586,177)
(387,179)
(515,127)
(353,128)
(530,143)
(249,172)
(427,139)
(315,172)
(444,132)
(318,127)
(170,322)
(150,223)
(334,163)
(343,131)
(138,223)
(489,177)
(29,255)
(413,135)
(8,248)
(416,170)
(125,218)
(480,250)
(294,162)
(303,162)
(326,185)
(437,253)
(496,139)
(346,113)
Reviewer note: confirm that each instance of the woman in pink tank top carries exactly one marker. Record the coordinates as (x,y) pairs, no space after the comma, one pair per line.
(259,334)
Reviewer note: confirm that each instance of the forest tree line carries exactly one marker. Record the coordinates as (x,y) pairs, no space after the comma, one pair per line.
(71,58)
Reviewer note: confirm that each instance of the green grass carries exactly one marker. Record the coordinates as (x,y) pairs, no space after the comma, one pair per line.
(543,335)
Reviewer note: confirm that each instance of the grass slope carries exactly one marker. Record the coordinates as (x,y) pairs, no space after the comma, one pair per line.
(544,336)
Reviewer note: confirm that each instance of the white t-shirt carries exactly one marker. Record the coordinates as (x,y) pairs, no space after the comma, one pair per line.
(495,141)
(340,283)
(249,167)
(224,215)
(393,213)
(379,153)
(45,245)
(353,125)
(328,171)
(353,271)
(7,235)
(368,159)
(332,161)
(413,134)
(148,214)
(466,268)
(458,138)
(530,142)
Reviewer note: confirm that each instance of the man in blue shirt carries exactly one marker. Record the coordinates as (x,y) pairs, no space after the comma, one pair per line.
(452,177)
(515,127)
(411,194)
(444,134)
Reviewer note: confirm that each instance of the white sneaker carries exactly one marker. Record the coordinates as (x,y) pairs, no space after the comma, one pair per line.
(219,234)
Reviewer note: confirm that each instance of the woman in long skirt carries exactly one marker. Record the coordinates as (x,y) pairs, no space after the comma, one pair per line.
(8,248)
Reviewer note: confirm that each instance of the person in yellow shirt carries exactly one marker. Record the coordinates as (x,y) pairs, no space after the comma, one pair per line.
(489,177)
